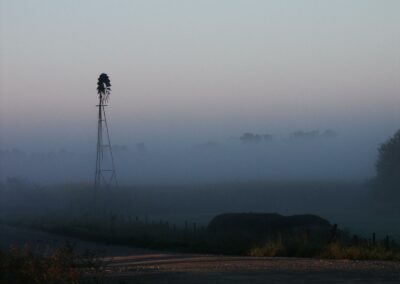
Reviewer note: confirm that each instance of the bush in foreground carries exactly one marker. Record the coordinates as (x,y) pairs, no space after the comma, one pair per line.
(330,251)
(61,266)
(359,252)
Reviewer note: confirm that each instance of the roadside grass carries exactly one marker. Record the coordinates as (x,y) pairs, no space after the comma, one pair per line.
(278,248)
(360,252)
(61,265)
(335,250)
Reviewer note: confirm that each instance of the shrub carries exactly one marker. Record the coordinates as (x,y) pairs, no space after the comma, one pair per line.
(61,266)
(359,252)
(270,248)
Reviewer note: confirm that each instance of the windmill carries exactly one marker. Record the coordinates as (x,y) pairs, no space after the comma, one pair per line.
(105,175)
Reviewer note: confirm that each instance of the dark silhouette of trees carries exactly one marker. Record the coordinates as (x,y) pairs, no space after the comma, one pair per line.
(305,134)
(388,167)
(252,138)
(313,134)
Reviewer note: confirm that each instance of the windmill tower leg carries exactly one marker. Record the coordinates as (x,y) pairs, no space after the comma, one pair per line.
(97,179)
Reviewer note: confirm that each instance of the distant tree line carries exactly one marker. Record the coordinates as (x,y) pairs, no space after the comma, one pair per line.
(312,134)
(253,138)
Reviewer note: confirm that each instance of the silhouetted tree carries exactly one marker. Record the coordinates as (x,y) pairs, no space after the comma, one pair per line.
(329,133)
(267,137)
(250,138)
(388,167)
(305,134)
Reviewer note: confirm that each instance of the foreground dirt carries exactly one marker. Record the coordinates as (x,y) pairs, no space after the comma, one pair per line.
(135,265)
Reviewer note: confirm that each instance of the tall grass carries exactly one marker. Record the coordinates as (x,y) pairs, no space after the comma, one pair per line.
(359,252)
(61,266)
(330,251)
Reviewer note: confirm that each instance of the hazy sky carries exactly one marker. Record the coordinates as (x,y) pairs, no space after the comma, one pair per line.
(196,70)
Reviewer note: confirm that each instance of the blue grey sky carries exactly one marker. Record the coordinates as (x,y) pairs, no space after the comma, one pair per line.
(197,70)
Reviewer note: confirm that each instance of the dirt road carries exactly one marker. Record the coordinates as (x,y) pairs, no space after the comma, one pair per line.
(181,268)
(135,265)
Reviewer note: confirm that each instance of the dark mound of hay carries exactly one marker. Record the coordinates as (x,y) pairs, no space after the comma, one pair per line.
(261,224)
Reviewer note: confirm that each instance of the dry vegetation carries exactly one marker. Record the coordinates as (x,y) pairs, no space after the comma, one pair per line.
(60,266)
(335,250)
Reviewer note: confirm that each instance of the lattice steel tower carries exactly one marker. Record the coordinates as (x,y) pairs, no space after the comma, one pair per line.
(105,175)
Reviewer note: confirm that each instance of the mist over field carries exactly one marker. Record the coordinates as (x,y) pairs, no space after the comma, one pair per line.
(322,155)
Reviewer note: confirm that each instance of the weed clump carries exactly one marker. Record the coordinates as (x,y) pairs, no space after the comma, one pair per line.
(60,266)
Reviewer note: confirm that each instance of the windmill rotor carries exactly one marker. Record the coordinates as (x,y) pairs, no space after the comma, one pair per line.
(104,86)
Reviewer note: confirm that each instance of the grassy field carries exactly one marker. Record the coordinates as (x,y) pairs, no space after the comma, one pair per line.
(176,216)
(194,239)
